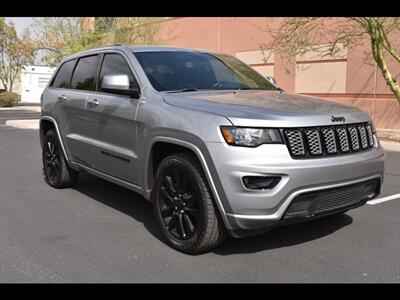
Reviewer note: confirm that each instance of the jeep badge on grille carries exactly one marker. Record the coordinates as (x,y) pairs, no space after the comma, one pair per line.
(338,119)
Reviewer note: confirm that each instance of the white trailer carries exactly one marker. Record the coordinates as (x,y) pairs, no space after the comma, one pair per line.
(33,81)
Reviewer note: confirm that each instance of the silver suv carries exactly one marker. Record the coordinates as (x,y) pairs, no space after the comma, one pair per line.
(216,147)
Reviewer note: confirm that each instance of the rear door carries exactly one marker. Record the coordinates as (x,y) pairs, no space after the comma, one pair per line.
(83,83)
(68,108)
(111,125)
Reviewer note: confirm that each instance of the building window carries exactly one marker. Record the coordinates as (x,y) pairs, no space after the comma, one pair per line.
(43,81)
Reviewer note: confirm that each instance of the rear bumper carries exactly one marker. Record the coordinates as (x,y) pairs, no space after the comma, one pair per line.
(249,212)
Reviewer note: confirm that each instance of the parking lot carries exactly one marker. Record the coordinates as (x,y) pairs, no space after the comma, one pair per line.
(100,232)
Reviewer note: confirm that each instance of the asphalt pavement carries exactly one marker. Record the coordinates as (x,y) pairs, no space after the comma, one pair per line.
(100,232)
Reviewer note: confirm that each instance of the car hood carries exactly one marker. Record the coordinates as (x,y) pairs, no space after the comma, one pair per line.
(268,108)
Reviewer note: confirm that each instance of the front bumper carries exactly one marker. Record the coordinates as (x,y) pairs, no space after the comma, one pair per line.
(248,212)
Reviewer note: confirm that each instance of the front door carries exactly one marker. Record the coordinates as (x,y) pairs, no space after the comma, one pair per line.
(111,124)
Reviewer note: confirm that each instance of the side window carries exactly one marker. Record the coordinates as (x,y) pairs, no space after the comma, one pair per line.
(85,73)
(116,64)
(63,77)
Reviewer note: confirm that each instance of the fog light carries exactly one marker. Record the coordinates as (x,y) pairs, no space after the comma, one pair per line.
(260,182)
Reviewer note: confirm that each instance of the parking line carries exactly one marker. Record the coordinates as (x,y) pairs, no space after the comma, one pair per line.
(384,199)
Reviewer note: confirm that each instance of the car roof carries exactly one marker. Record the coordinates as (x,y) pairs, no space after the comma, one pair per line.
(142,48)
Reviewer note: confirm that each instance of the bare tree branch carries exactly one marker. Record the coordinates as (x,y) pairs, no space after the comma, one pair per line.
(297,36)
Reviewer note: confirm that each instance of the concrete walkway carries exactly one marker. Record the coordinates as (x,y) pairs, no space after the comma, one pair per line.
(23,124)
(34,108)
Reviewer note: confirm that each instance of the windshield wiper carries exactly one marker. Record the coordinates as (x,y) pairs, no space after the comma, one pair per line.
(259,89)
(183,90)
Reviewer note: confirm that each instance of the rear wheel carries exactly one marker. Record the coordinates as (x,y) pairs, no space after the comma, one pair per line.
(183,206)
(56,171)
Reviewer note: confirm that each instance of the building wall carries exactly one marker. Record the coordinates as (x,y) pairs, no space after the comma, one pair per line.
(346,78)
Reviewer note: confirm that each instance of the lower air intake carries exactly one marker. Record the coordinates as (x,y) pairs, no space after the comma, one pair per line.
(330,200)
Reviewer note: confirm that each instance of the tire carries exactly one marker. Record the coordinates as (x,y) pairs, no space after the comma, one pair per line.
(194,202)
(56,170)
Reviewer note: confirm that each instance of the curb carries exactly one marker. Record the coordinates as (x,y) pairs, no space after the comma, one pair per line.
(390,146)
(388,134)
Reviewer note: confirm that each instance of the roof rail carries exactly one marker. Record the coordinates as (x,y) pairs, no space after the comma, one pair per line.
(112,45)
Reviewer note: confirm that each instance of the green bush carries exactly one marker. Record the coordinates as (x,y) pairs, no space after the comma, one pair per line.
(8,99)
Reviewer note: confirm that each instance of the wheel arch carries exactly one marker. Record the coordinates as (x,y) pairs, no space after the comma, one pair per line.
(175,145)
(46,123)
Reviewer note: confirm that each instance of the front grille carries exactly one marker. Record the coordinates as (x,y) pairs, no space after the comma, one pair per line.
(296,142)
(325,201)
(314,142)
(329,140)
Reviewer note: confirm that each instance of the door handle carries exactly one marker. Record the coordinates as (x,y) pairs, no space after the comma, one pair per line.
(62,98)
(93,102)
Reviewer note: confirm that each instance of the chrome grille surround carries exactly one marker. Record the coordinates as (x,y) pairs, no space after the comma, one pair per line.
(311,142)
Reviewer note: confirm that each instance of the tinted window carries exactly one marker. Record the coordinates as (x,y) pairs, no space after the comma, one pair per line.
(63,77)
(116,64)
(84,74)
(176,70)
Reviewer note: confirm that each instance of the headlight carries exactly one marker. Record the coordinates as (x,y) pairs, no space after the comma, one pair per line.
(250,137)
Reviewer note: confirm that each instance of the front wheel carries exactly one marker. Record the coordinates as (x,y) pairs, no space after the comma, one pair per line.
(184,207)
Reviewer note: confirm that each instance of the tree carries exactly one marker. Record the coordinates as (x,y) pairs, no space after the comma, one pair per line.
(15,53)
(61,36)
(136,31)
(55,37)
(297,35)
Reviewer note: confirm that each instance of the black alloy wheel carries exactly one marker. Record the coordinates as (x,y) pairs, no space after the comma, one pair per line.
(57,173)
(52,166)
(178,201)
(184,206)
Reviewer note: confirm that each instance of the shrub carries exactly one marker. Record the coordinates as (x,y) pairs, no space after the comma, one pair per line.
(8,99)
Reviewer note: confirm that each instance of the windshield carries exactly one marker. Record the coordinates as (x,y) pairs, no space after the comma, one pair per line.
(174,71)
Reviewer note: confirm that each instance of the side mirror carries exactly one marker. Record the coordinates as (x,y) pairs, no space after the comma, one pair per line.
(119,84)
(271,79)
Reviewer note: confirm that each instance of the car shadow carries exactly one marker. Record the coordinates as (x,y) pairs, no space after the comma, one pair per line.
(286,236)
(135,206)
(119,198)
